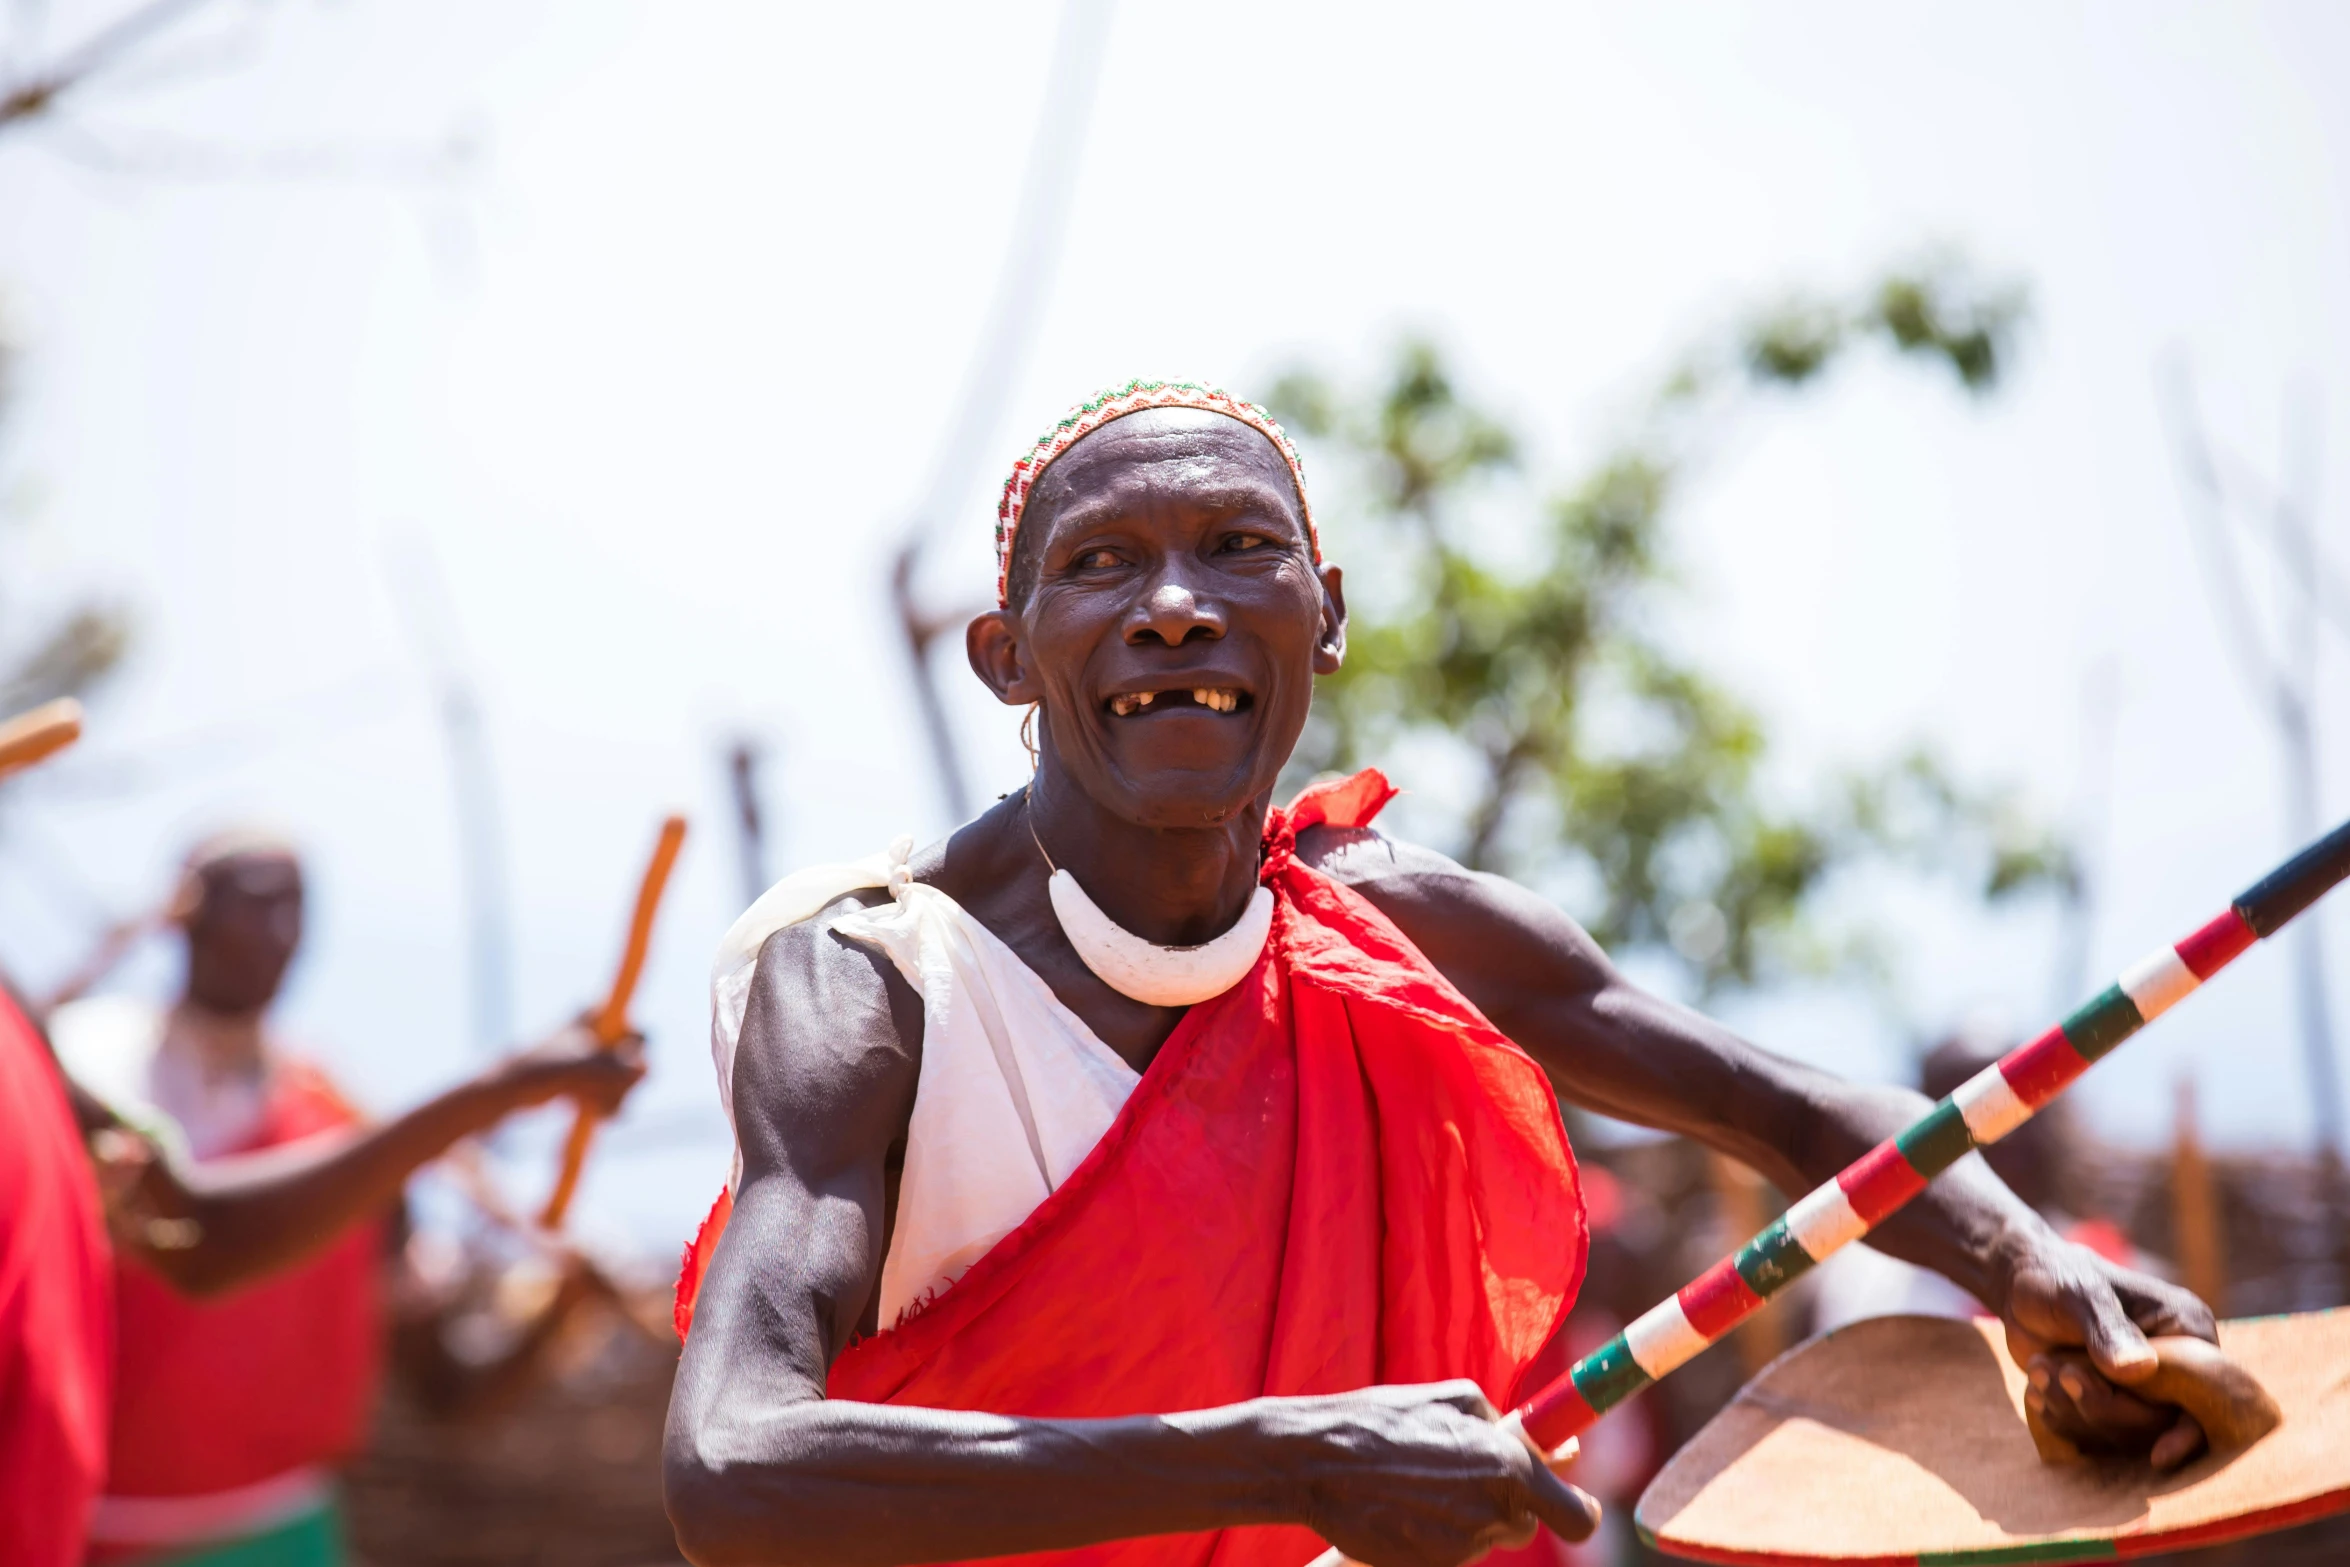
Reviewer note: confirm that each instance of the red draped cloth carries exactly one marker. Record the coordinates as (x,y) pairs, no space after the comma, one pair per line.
(213,1395)
(1334,1175)
(56,1311)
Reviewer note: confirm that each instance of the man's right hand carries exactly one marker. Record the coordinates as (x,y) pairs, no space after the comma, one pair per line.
(571,1063)
(1420,1476)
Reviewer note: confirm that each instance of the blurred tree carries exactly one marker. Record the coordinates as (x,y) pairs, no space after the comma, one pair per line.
(167,40)
(32,91)
(1519,635)
(75,651)
(63,98)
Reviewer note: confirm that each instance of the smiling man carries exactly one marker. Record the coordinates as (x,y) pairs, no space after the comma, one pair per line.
(1150,1173)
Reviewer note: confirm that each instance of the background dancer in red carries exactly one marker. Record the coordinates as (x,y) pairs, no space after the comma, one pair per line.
(251,1310)
(1125,1176)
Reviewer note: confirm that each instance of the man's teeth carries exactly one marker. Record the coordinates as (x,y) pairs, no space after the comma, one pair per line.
(1216,698)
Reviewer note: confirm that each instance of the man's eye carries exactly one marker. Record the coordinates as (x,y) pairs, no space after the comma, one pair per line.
(1094,560)
(1246,541)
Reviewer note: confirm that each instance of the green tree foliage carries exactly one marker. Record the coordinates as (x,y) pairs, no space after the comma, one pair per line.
(1518,634)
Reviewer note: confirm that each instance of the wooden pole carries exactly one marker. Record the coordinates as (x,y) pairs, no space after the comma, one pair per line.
(1746,1208)
(611,1019)
(2197,1244)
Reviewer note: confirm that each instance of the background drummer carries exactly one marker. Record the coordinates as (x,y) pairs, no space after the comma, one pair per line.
(233,1400)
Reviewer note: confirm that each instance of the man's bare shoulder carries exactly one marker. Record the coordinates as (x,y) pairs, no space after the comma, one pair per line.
(1383,867)
(1482,930)
(804,946)
(831,1037)
(1423,891)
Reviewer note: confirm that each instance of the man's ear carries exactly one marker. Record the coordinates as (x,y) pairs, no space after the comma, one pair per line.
(992,643)
(1330,646)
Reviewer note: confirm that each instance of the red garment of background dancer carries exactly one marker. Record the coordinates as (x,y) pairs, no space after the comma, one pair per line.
(56,1311)
(277,1376)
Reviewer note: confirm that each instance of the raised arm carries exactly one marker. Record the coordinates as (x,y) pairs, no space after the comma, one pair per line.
(1613,1048)
(761,1468)
(231,1221)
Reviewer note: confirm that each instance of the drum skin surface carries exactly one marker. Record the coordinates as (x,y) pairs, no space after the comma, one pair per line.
(1901,1440)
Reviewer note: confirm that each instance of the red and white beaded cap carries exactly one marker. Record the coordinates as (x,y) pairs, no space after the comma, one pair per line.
(1115,403)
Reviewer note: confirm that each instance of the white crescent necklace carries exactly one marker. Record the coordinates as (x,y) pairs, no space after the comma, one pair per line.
(1154,975)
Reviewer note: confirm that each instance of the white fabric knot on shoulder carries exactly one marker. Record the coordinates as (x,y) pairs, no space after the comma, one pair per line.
(797,897)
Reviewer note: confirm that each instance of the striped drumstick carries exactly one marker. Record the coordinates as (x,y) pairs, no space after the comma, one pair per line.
(1984,1109)
(611,1019)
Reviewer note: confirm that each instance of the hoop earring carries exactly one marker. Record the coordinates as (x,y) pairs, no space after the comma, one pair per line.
(1028,734)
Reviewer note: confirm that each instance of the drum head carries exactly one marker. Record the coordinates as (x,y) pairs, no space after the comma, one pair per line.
(1902,1439)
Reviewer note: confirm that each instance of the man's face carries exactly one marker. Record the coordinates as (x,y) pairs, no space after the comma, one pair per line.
(1177,620)
(243,931)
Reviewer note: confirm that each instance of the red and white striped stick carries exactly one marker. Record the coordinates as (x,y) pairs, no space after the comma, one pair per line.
(1984,1109)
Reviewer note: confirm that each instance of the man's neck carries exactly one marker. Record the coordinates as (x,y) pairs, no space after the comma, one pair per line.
(1174,886)
(227,1044)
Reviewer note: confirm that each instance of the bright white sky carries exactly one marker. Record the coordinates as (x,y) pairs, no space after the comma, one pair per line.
(658,378)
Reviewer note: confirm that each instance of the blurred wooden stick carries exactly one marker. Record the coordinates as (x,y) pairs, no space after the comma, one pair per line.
(466,1166)
(2198,1243)
(611,1021)
(39,732)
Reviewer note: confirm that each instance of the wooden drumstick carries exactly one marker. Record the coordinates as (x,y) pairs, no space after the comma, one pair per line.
(611,1020)
(38,733)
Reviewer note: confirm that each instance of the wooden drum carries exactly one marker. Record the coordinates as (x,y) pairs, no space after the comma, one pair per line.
(1902,1440)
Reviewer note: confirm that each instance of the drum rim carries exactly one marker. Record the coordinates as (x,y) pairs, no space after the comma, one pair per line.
(2050,1551)
(2046,1550)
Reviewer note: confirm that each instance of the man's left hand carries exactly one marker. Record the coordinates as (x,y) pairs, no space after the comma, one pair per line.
(2079,1325)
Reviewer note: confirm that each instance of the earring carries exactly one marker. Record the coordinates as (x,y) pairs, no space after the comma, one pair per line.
(1028,734)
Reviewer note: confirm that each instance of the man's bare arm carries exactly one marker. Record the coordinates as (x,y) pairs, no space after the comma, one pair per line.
(224,1224)
(1611,1047)
(762,1469)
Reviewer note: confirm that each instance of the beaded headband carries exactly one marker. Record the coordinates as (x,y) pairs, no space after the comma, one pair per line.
(1115,403)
